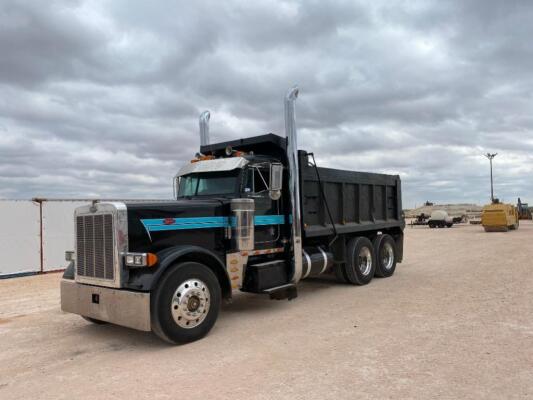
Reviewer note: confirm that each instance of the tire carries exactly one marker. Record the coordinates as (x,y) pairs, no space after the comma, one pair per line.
(386,255)
(177,321)
(94,321)
(360,265)
(431,225)
(449,225)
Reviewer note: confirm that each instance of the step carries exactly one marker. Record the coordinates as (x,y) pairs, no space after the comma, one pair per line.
(268,264)
(287,291)
(264,275)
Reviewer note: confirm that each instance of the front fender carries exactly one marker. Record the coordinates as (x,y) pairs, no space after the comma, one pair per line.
(147,278)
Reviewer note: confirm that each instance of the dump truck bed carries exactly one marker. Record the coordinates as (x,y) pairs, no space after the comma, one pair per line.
(358,201)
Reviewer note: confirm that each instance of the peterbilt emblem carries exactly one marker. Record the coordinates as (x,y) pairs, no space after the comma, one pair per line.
(169,221)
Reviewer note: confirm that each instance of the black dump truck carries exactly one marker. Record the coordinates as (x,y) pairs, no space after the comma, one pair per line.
(255,215)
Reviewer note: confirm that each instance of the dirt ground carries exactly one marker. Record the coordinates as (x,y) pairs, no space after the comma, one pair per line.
(455,321)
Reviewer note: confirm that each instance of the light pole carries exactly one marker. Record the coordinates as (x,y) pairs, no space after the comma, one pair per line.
(490,157)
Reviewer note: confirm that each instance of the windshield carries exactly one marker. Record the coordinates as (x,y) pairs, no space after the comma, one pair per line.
(205,184)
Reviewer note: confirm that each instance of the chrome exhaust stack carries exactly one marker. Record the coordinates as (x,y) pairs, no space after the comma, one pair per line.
(294,182)
(204,128)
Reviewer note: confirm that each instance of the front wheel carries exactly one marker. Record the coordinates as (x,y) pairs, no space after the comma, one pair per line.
(185,303)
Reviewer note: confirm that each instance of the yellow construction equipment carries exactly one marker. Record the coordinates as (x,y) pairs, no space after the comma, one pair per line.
(499,217)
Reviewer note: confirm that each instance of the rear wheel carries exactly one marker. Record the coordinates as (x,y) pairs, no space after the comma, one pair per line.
(186,303)
(385,248)
(360,265)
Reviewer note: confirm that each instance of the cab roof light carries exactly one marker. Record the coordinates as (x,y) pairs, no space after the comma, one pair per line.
(202,158)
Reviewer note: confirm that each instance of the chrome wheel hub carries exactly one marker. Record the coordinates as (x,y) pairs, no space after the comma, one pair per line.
(387,256)
(364,261)
(190,303)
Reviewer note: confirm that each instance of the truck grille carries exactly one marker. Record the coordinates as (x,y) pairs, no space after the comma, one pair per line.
(94,246)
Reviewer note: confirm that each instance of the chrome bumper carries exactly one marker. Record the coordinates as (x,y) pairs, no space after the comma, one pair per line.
(120,307)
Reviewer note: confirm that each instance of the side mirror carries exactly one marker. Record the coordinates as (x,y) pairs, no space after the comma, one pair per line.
(276,180)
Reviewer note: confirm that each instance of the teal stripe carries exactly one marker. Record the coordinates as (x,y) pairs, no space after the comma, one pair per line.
(158,224)
(185,221)
(269,220)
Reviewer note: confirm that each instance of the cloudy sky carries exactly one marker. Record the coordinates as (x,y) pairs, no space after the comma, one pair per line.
(101,98)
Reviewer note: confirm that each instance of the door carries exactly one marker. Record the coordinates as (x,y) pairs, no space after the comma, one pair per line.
(267,218)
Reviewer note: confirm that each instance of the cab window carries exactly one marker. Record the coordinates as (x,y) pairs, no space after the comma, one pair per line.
(256,180)
(207,184)
(261,179)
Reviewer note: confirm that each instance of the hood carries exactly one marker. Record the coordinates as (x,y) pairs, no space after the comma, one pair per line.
(167,223)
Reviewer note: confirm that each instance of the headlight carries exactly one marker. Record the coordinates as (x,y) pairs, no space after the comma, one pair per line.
(138,260)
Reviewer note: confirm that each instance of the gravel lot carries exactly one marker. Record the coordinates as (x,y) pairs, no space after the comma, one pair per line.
(455,321)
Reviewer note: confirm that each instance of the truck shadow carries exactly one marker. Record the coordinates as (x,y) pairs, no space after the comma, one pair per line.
(114,338)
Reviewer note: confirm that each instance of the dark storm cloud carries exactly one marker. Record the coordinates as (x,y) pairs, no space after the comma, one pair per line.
(101,98)
(42,43)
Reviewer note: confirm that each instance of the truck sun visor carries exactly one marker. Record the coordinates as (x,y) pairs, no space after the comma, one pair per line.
(220,164)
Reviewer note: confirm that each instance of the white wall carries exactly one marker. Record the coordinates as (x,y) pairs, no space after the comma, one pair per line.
(20,246)
(58,232)
(20,235)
